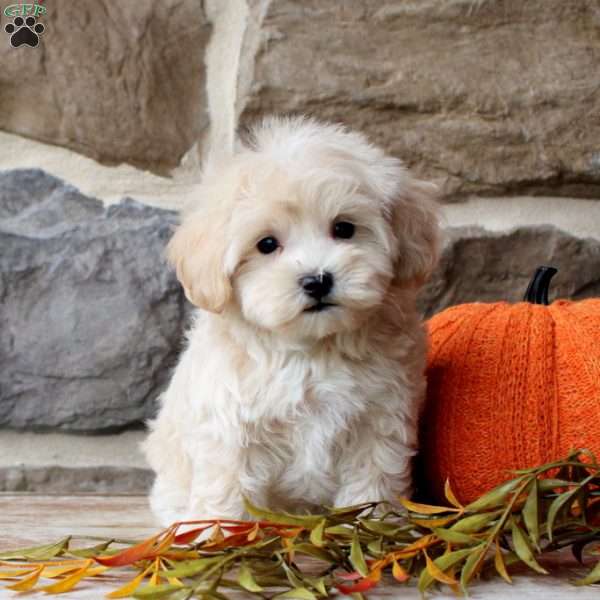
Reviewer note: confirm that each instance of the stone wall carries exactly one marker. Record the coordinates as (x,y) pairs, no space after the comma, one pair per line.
(496,100)
(485,97)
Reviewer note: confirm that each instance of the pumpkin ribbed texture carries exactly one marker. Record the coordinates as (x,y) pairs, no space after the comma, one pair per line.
(510,386)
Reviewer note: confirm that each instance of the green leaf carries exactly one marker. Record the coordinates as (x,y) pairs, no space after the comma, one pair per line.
(45,552)
(314,551)
(157,591)
(357,557)
(547,485)
(472,565)
(246,580)
(522,548)
(443,563)
(308,521)
(92,551)
(380,527)
(531,514)
(300,593)
(292,577)
(475,523)
(557,504)
(376,546)
(316,535)
(186,593)
(318,584)
(191,567)
(495,497)
(340,530)
(592,577)
(455,537)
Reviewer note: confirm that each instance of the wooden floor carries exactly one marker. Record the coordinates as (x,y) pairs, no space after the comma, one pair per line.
(27,520)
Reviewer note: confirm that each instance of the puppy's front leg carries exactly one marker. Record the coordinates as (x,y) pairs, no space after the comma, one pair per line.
(376,462)
(216,490)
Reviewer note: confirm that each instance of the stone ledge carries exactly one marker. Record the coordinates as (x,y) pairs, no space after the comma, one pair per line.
(53,463)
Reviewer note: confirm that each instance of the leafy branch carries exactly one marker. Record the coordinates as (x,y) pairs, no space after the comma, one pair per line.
(540,510)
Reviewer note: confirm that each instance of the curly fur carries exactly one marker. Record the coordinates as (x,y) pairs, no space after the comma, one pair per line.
(296,409)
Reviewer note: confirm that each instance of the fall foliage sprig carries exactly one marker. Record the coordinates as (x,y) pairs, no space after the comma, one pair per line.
(279,555)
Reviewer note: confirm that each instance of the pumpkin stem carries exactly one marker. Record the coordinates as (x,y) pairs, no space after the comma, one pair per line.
(537,291)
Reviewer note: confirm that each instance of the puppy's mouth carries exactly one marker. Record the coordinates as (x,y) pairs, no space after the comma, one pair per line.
(319,307)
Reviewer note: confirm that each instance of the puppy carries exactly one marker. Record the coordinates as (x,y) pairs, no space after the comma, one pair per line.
(303,375)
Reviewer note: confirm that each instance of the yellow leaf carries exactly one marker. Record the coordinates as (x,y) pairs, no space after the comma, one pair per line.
(288,546)
(216,536)
(129,588)
(316,535)
(450,496)
(53,573)
(68,583)
(437,573)
(253,533)
(15,574)
(28,583)
(421,543)
(425,509)
(499,564)
(432,523)
(399,573)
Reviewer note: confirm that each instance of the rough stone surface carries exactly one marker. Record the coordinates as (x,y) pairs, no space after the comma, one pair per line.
(91,316)
(118,81)
(482,266)
(75,480)
(484,97)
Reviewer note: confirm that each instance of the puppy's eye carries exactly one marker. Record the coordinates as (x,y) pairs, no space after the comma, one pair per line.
(267,245)
(343,230)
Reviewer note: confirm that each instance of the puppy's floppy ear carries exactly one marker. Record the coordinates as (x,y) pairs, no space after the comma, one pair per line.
(197,251)
(415,220)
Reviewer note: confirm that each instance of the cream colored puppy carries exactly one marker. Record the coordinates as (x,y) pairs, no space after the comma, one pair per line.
(302,378)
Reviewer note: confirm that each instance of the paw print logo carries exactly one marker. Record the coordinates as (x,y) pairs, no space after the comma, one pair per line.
(24,32)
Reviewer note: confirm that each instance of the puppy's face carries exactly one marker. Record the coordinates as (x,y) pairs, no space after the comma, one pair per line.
(308,248)
(313,256)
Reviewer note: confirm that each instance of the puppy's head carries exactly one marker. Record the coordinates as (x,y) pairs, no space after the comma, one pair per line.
(304,231)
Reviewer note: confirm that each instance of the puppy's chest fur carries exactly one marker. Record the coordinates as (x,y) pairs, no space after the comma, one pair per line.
(291,413)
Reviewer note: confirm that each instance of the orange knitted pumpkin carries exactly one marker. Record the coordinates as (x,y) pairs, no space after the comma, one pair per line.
(510,386)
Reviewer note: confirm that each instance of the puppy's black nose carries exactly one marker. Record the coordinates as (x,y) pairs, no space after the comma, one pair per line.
(317,286)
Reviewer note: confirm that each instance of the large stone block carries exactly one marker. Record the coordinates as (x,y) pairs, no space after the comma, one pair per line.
(482,266)
(484,97)
(91,315)
(118,81)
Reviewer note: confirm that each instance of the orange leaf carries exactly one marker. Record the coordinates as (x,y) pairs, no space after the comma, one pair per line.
(68,583)
(450,496)
(426,509)
(399,573)
(189,536)
(289,532)
(436,572)
(361,586)
(27,583)
(163,546)
(129,555)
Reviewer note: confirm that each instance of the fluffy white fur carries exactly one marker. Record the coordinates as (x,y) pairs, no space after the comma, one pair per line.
(296,409)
